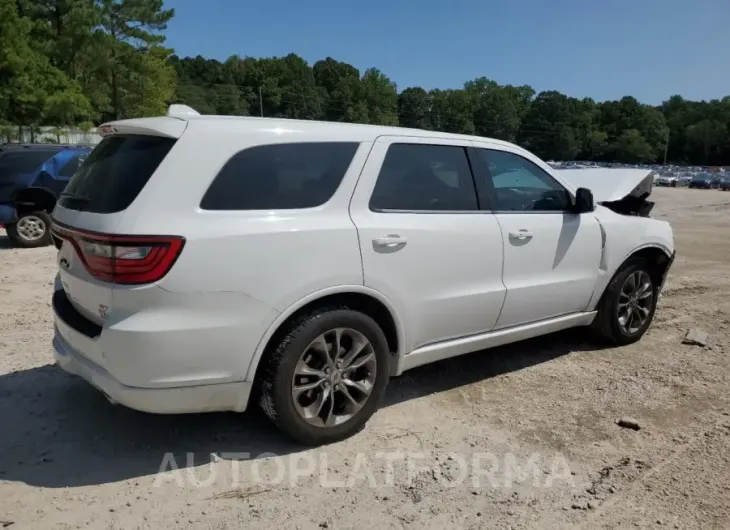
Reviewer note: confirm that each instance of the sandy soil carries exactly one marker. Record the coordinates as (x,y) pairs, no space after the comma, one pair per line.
(519,437)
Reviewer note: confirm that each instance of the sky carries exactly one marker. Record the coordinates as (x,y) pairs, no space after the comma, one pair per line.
(603,49)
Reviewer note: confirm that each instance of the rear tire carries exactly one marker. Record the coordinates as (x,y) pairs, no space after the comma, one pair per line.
(336,404)
(625,312)
(31,230)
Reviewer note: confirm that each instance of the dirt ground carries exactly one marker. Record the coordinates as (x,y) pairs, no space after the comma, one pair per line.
(519,437)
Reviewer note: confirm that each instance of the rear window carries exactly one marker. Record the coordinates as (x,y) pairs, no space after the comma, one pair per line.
(20,162)
(114,173)
(280,176)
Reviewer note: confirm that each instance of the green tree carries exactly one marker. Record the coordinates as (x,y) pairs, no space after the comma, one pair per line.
(595,146)
(303,99)
(67,61)
(62,29)
(341,84)
(31,89)
(497,110)
(556,126)
(147,84)
(452,111)
(67,107)
(414,108)
(379,96)
(705,141)
(632,147)
(134,27)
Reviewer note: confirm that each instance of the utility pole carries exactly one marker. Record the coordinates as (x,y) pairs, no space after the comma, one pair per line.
(261,103)
(666,148)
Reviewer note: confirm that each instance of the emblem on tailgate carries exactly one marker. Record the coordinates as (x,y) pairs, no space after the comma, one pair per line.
(64,263)
(103,311)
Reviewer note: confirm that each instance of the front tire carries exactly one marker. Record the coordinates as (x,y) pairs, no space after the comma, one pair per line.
(326,376)
(31,230)
(627,307)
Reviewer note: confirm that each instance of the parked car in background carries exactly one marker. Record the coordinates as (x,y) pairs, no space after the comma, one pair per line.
(703,181)
(31,178)
(725,183)
(301,264)
(667,180)
(684,180)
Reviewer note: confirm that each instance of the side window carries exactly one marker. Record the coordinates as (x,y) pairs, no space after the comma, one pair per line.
(71,165)
(422,177)
(521,185)
(21,162)
(280,177)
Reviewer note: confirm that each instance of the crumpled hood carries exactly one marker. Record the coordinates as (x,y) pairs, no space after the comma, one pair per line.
(612,184)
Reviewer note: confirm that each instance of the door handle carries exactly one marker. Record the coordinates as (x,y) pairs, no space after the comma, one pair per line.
(389,243)
(521,234)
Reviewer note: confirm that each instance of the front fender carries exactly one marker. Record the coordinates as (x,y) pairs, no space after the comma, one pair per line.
(625,236)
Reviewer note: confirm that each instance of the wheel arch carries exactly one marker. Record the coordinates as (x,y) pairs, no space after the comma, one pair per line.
(34,198)
(658,256)
(370,301)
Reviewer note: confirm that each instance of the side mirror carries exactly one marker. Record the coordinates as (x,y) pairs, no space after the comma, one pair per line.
(583,201)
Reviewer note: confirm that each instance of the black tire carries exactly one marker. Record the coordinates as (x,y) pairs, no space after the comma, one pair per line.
(606,324)
(277,372)
(19,240)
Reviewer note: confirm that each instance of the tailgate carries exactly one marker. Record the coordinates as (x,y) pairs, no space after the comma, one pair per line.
(90,296)
(89,212)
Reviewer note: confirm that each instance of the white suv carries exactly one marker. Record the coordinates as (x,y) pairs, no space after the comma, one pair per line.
(207,261)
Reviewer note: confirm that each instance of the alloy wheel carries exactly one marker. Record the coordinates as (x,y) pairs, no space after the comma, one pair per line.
(334,377)
(635,300)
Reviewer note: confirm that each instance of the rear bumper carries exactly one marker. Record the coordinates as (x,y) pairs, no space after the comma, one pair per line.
(8,214)
(172,359)
(174,400)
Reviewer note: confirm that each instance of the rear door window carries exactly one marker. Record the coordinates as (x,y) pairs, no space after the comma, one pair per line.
(280,176)
(114,173)
(425,178)
(20,162)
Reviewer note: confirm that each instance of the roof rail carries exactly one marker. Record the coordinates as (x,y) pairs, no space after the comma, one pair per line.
(177,110)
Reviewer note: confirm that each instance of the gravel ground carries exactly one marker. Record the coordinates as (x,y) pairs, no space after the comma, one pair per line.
(519,437)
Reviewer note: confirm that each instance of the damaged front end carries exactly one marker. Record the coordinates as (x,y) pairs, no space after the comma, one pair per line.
(624,191)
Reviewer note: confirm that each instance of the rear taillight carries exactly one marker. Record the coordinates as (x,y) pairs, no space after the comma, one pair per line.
(128,260)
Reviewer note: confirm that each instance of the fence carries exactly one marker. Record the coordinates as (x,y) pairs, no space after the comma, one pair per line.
(48,135)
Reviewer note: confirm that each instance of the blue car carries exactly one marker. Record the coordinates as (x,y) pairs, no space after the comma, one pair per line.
(31,179)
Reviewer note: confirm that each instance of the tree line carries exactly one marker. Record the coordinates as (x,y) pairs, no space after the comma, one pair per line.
(81,62)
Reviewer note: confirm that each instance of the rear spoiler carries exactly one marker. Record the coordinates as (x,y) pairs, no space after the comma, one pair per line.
(167,127)
(171,126)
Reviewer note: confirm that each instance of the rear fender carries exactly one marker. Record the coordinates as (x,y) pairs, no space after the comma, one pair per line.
(312,297)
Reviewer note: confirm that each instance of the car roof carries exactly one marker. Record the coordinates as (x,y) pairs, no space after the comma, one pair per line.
(180,116)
